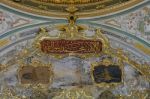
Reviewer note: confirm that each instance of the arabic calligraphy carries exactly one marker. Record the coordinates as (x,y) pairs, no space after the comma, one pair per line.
(70,46)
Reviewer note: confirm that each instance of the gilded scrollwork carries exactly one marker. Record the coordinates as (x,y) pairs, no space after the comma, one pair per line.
(107,73)
(74,94)
(70,41)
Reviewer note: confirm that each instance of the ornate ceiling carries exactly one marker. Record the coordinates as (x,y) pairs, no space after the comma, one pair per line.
(57,8)
(123,27)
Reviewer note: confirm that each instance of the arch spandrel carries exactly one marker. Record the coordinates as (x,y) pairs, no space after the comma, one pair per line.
(49,59)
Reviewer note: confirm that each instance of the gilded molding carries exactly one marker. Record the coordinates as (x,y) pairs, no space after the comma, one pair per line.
(56,13)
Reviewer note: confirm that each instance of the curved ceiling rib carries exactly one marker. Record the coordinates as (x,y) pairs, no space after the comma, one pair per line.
(115,30)
(90,23)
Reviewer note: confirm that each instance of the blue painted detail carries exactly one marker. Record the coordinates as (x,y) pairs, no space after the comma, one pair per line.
(94,24)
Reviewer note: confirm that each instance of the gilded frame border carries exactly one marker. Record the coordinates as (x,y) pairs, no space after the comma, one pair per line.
(104,84)
(80,14)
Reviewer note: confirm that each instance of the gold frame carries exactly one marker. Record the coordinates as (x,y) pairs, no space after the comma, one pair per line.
(36,63)
(104,84)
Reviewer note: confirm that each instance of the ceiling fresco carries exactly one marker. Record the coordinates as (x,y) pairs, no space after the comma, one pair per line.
(44,56)
(57,8)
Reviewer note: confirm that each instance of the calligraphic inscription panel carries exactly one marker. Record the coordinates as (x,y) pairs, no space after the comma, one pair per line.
(107,74)
(30,74)
(70,46)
